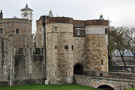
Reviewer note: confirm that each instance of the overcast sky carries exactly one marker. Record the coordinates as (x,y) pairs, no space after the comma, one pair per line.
(119,12)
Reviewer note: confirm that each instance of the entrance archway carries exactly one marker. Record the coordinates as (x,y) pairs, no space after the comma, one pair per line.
(78,69)
(105,87)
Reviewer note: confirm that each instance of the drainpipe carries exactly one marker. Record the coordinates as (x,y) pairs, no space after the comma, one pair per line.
(44,44)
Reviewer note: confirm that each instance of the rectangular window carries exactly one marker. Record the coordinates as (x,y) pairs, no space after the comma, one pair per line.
(78,31)
(17,31)
(55,47)
(106,31)
(66,47)
(55,29)
(1,30)
(72,47)
(101,62)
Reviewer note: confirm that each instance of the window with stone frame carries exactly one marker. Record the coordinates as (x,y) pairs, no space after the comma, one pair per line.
(17,31)
(78,31)
(1,31)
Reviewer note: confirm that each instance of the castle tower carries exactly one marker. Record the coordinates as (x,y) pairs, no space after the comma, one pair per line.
(59,37)
(1,15)
(26,13)
(96,46)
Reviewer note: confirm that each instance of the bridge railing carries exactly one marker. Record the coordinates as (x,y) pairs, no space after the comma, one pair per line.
(118,75)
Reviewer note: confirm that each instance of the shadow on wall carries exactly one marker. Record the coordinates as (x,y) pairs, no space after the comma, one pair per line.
(105,87)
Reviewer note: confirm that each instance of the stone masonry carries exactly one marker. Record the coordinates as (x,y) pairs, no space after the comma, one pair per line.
(62,43)
(71,42)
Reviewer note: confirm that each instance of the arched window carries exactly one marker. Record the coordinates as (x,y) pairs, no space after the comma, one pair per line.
(78,69)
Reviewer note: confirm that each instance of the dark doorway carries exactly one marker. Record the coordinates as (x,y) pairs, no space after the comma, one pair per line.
(78,69)
(105,87)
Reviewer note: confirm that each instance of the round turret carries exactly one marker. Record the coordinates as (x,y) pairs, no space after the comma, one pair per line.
(60,50)
(96,45)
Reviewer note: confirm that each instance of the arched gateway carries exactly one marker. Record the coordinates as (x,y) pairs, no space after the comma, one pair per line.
(78,69)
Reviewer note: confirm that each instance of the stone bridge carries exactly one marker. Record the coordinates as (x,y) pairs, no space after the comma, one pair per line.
(105,83)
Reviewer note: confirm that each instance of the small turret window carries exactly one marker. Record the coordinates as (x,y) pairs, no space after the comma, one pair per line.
(17,31)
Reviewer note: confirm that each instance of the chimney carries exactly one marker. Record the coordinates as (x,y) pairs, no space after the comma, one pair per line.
(1,15)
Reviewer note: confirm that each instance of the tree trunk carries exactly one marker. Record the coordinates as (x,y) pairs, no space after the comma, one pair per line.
(123,61)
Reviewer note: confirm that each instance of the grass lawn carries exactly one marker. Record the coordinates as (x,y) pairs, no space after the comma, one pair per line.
(131,89)
(48,87)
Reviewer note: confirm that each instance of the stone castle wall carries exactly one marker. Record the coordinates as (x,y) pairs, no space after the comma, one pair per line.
(60,53)
(64,49)
(6,59)
(89,48)
(27,64)
(22,40)
(96,49)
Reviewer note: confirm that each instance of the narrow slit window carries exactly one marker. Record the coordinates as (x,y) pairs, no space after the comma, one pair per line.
(1,31)
(101,62)
(72,47)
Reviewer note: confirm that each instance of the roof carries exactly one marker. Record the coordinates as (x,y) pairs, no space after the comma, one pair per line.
(26,8)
